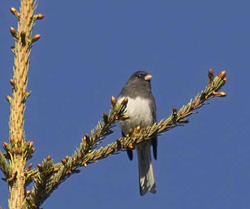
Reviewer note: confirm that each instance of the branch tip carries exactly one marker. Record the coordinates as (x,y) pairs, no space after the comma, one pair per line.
(220,94)
(124,117)
(8,98)
(48,158)
(13,33)
(222,74)
(35,38)
(130,146)
(39,16)
(124,102)
(40,167)
(174,111)
(14,11)
(85,164)
(63,161)
(13,83)
(113,102)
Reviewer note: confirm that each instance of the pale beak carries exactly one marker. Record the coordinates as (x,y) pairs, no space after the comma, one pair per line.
(148,77)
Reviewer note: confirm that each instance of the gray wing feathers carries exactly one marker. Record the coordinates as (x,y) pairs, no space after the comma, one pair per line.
(146,175)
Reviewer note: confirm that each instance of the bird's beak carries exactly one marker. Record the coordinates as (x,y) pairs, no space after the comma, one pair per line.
(148,77)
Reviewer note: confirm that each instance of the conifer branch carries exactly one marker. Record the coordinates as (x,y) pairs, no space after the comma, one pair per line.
(19,151)
(84,155)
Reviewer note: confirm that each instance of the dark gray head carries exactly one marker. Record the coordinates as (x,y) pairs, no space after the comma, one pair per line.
(140,78)
(138,85)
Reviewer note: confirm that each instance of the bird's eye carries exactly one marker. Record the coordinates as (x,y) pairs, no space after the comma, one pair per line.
(139,76)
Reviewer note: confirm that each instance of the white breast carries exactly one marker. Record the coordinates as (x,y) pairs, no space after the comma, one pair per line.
(139,111)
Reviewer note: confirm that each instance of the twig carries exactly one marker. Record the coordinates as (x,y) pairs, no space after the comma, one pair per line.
(4,166)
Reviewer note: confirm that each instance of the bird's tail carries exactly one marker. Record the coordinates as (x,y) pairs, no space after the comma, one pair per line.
(146,175)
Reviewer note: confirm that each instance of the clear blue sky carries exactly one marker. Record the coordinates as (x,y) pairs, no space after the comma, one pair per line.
(87,52)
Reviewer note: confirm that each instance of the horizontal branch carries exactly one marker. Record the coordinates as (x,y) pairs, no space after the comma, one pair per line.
(176,119)
(85,155)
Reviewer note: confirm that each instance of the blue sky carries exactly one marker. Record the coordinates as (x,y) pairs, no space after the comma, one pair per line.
(87,52)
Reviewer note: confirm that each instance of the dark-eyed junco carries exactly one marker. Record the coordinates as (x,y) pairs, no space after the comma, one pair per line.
(142,112)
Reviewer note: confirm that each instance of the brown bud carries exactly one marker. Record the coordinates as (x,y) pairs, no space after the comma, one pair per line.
(219,94)
(39,16)
(113,101)
(84,143)
(105,118)
(67,157)
(13,32)
(55,169)
(138,128)
(23,38)
(84,164)
(40,166)
(130,146)
(8,98)
(174,111)
(29,166)
(125,117)
(6,146)
(12,82)
(210,75)
(35,38)
(13,9)
(222,74)
(31,143)
(14,12)
(124,101)
(28,192)
(63,161)
(48,158)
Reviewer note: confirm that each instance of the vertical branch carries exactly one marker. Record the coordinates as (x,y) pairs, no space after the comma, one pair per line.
(20,150)
(21,66)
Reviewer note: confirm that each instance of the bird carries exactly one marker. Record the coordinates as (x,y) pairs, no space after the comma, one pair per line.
(141,109)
